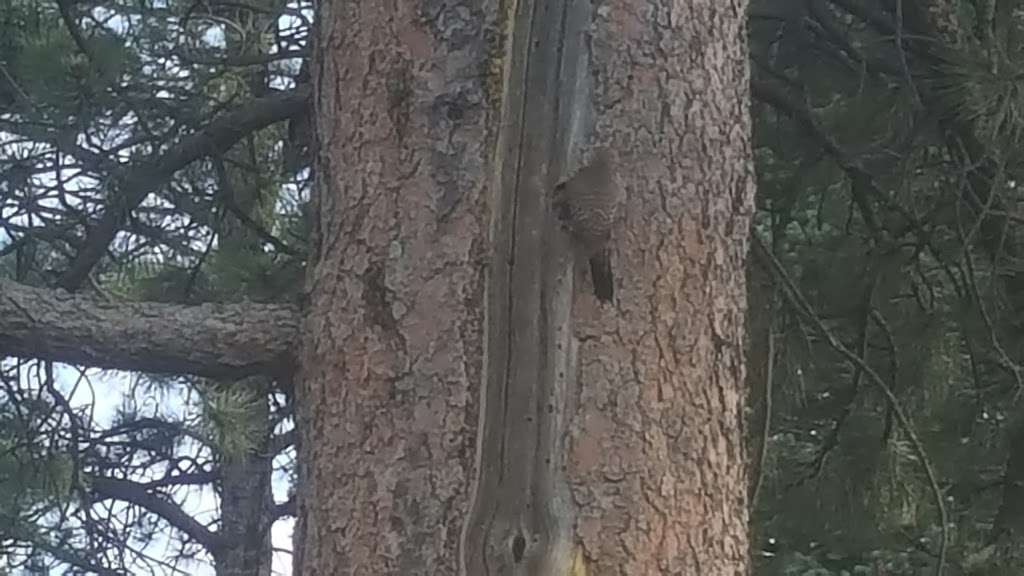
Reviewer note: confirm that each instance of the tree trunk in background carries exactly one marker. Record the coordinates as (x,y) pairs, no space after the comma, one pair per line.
(412,171)
(246,500)
(247,189)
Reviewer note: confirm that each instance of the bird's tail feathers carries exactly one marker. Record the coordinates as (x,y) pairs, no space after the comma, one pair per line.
(601,274)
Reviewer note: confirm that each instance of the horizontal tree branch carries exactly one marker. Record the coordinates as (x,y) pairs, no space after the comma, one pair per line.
(240,59)
(281,441)
(188,479)
(210,340)
(286,508)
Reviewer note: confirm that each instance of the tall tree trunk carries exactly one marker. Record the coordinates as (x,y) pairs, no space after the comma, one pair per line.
(246,188)
(246,501)
(437,299)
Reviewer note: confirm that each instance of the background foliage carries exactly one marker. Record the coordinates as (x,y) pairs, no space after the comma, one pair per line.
(887,145)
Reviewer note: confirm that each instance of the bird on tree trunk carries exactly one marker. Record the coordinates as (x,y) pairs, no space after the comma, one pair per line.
(588,204)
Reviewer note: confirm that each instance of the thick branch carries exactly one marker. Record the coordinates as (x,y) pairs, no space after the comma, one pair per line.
(212,340)
(139,181)
(286,508)
(281,441)
(134,493)
(192,479)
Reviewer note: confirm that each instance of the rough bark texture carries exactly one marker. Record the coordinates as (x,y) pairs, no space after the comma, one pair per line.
(392,353)
(392,346)
(214,340)
(246,501)
(657,457)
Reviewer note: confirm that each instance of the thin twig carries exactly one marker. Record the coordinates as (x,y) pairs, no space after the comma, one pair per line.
(903,55)
(762,455)
(800,304)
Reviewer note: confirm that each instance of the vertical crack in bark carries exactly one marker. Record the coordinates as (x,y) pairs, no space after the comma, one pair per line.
(521,522)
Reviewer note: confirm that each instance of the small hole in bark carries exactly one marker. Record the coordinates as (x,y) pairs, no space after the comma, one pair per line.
(518,548)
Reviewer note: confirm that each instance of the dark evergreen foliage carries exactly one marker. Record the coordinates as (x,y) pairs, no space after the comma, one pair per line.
(887,145)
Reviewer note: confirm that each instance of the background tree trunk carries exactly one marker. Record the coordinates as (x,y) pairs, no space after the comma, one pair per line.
(246,501)
(246,498)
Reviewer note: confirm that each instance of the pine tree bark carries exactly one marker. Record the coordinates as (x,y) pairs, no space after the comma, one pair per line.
(438,143)
(657,457)
(211,340)
(392,352)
